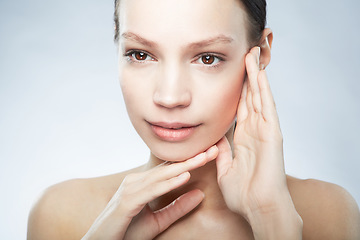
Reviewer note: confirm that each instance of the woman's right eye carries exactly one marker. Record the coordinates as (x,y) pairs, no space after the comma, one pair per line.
(138,56)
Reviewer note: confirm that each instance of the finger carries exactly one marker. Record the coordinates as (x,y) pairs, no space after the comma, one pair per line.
(177,209)
(252,67)
(142,225)
(164,185)
(151,191)
(148,224)
(224,159)
(242,111)
(166,178)
(249,102)
(174,169)
(267,99)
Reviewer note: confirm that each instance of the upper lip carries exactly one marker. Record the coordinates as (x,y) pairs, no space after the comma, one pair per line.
(173,125)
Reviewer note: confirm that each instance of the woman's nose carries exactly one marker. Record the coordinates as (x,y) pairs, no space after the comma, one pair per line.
(172,89)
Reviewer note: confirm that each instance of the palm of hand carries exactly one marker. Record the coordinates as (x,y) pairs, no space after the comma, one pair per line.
(251,180)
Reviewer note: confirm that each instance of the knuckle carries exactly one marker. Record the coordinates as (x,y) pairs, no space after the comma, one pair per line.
(136,177)
(127,185)
(128,179)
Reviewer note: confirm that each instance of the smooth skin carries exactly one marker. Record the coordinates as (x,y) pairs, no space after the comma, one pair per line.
(253,184)
(243,185)
(220,183)
(127,212)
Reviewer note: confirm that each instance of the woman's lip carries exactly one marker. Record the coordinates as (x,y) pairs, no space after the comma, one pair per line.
(172,132)
(173,125)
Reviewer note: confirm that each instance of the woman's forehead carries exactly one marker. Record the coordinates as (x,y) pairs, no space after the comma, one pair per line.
(185,20)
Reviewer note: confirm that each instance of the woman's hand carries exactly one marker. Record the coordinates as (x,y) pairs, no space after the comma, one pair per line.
(253,182)
(128,216)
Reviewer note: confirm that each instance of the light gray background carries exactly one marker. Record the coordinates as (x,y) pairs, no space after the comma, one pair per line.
(62,115)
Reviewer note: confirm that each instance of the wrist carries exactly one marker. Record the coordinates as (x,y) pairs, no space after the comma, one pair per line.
(280,221)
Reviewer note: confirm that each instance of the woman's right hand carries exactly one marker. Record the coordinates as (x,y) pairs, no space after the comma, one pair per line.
(128,216)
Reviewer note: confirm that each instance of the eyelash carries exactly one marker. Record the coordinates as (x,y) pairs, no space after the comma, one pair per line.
(218,59)
(132,59)
(129,54)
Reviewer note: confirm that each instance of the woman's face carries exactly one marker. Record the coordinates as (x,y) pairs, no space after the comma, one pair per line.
(181,71)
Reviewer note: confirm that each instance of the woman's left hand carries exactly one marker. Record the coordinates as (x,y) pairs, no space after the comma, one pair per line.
(252,177)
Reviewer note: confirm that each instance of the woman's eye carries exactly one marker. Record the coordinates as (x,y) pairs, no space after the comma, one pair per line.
(209,59)
(138,56)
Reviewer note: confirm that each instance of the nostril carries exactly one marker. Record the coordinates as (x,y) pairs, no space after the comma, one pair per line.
(172,99)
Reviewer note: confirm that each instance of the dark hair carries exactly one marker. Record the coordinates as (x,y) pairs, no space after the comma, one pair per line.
(256,11)
(256,15)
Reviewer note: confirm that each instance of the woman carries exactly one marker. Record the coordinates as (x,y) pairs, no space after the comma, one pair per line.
(193,80)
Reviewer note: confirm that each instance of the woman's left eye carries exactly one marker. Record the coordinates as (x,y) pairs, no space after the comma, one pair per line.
(208,59)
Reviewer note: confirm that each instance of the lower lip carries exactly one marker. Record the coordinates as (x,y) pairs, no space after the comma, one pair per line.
(173,135)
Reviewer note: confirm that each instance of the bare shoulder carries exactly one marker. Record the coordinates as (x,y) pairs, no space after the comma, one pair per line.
(67,210)
(328,210)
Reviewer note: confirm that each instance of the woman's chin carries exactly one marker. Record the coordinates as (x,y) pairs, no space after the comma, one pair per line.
(172,157)
(176,155)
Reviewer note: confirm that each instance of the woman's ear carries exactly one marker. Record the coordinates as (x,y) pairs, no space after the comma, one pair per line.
(265,48)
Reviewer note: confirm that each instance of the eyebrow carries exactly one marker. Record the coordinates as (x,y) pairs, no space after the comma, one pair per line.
(134,37)
(213,40)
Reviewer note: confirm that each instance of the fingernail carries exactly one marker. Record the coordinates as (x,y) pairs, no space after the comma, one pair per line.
(211,151)
(259,50)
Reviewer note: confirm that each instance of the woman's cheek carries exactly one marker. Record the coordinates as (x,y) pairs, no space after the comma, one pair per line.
(126,88)
(229,91)
(132,92)
(134,84)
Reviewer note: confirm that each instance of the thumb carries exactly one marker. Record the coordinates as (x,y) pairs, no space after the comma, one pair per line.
(177,209)
(148,224)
